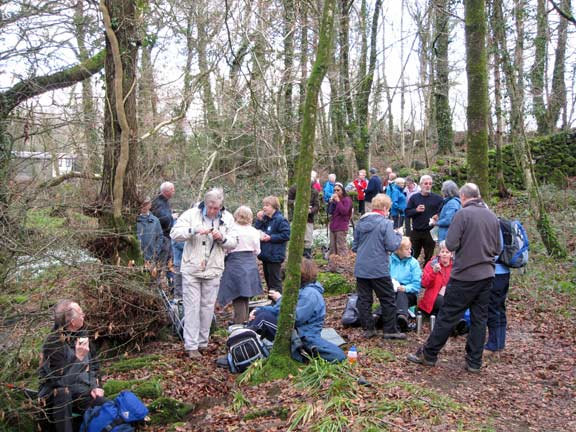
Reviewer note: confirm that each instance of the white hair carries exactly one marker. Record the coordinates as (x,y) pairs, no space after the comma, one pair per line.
(165,186)
(214,196)
(425,177)
(332,177)
(313,175)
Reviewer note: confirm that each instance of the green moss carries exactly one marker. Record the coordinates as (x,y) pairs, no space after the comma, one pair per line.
(165,410)
(335,284)
(145,389)
(134,363)
(41,219)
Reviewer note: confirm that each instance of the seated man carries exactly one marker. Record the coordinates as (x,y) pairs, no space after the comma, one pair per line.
(310,314)
(405,270)
(69,369)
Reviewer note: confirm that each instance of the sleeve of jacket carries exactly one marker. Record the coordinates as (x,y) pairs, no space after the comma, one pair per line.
(159,236)
(162,212)
(411,207)
(260,225)
(415,277)
(428,276)
(185,227)
(342,207)
(446,218)
(392,239)
(306,305)
(355,241)
(283,232)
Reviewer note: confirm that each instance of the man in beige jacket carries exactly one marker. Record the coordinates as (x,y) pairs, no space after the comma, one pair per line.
(208,231)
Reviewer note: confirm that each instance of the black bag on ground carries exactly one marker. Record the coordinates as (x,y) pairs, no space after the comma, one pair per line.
(350,315)
(244,348)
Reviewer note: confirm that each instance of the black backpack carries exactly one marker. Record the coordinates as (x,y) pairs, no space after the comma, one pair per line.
(244,348)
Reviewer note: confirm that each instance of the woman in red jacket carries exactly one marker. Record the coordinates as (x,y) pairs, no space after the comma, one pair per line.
(434,281)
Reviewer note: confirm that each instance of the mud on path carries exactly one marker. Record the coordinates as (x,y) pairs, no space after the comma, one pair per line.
(530,387)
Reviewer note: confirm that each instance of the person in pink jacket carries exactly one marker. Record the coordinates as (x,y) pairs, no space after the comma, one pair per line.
(340,210)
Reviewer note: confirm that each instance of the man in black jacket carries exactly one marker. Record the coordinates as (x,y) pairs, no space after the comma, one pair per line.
(69,369)
(421,207)
(163,211)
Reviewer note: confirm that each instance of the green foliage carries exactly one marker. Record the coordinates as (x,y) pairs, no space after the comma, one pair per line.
(335,284)
(280,412)
(145,389)
(339,404)
(239,401)
(379,355)
(42,220)
(165,410)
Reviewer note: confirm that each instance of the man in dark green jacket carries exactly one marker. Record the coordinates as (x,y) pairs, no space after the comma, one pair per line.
(69,368)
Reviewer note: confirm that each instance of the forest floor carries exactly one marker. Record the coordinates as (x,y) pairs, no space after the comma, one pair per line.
(531,386)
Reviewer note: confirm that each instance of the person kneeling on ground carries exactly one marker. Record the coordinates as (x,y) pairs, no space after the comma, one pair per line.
(310,314)
(69,369)
(405,269)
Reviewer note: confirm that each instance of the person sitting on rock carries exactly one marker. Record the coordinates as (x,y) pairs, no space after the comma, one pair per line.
(405,270)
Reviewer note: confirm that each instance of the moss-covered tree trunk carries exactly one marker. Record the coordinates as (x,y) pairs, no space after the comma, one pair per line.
(441,84)
(477,110)
(280,363)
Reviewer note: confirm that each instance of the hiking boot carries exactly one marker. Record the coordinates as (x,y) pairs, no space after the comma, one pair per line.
(472,369)
(395,336)
(194,354)
(369,334)
(418,357)
(402,322)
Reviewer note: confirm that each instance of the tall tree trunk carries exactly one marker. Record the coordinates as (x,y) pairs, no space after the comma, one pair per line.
(513,73)
(441,83)
(121,150)
(279,363)
(539,67)
(287,81)
(477,110)
(362,146)
(499,132)
(557,100)
(344,64)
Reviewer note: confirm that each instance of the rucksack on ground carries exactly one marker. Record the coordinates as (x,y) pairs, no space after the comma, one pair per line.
(123,414)
(244,348)
(516,244)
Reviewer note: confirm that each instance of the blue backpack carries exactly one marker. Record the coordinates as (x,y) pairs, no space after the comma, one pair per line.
(120,415)
(516,244)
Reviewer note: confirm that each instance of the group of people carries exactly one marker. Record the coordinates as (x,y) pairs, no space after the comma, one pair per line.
(464,276)
(217,260)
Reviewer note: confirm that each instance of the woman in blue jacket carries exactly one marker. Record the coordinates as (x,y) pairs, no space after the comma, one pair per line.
(406,273)
(310,314)
(450,206)
(273,239)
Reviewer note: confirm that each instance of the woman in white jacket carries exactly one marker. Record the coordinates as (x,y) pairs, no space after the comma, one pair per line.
(208,230)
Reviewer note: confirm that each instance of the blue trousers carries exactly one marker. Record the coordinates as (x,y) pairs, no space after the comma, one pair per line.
(497,313)
(461,295)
